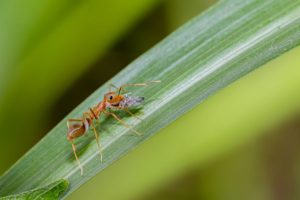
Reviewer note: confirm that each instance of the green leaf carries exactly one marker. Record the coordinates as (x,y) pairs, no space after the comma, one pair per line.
(205,55)
(49,192)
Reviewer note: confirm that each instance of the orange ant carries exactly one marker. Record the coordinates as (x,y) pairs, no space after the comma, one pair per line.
(111,100)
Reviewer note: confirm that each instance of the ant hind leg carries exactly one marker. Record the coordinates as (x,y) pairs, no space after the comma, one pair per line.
(97,140)
(77,159)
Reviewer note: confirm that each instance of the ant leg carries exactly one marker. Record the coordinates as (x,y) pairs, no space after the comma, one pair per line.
(97,140)
(77,159)
(119,89)
(140,84)
(123,123)
(137,84)
(87,116)
(130,113)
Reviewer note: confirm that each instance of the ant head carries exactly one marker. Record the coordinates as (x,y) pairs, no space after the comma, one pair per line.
(112,97)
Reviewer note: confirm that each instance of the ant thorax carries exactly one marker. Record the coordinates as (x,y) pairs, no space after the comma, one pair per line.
(130,101)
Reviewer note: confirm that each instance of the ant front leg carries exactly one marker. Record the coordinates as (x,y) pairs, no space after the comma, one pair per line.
(129,112)
(122,122)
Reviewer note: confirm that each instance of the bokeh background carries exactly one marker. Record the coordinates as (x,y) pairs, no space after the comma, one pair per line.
(54,53)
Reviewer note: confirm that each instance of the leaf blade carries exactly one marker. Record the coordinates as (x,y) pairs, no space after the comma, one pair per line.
(191,65)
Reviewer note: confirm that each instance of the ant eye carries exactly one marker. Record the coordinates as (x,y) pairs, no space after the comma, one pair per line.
(110,97)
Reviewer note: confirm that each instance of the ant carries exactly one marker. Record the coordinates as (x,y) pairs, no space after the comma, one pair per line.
(111,100)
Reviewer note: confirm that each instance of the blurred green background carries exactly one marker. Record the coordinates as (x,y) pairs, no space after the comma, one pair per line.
(54,53)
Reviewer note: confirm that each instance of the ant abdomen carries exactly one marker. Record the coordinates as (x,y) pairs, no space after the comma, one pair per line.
(76,130)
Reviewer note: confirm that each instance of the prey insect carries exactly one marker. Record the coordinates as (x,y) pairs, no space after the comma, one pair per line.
(113,100)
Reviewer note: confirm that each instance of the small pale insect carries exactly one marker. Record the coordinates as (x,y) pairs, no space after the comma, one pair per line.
(131,101)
